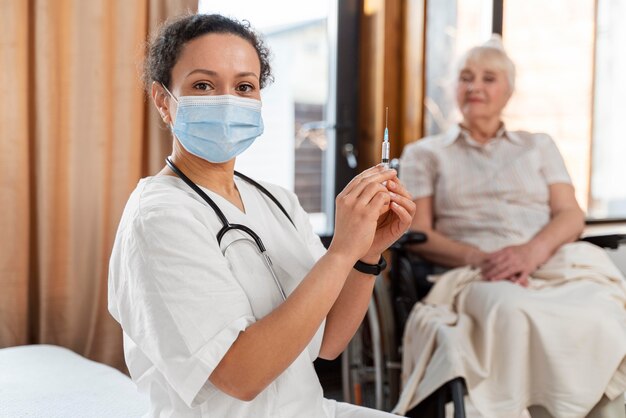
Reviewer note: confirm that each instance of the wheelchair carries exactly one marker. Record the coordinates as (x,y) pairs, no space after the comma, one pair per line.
(371,364)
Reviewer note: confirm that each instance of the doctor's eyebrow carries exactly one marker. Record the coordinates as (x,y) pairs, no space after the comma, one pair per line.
(215,74)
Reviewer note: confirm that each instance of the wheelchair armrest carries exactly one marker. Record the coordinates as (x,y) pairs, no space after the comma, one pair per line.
(411,237)
(611,241)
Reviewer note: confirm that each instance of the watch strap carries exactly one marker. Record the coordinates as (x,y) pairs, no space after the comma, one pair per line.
(374,269)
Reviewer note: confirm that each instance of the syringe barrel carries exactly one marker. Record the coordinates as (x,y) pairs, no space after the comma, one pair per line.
(385,153)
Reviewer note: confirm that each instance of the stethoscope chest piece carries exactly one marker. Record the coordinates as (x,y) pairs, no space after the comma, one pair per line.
(227,226)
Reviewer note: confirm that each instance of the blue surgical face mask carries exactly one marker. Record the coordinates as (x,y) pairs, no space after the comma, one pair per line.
(217,128)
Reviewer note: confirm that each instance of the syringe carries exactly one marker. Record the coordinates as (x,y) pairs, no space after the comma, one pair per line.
(385,151)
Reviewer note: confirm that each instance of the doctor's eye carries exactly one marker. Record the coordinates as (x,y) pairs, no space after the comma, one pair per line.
(203,86)
(245,88)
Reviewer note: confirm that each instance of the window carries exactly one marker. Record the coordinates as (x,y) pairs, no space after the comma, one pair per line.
(452,27)
(552,45)
(297,149)
(608,191)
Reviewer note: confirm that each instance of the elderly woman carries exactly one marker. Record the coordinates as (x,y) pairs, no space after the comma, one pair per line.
(224,293)
(527,317)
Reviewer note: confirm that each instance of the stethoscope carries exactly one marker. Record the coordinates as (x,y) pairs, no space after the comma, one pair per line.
(227,226)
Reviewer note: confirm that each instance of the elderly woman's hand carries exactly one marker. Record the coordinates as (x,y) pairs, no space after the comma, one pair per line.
(514,263)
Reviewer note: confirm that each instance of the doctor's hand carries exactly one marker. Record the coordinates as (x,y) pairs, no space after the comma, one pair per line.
(394,222)
(358,211)
(514,263)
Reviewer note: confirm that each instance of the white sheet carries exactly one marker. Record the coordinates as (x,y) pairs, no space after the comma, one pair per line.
(50,381)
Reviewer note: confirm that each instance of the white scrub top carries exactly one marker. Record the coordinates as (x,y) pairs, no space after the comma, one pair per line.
(181,303)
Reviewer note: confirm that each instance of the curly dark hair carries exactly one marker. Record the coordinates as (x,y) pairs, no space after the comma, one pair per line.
(165,47)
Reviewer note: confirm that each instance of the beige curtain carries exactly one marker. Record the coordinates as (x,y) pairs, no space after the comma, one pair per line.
(76,133)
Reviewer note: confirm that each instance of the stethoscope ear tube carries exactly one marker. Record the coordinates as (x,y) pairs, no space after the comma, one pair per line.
(266,259)
(198,190)
(268,263)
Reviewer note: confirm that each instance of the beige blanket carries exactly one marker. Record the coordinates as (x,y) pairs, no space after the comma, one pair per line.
(560,343)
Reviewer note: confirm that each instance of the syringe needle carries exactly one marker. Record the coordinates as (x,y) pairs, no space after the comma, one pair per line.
(386,116)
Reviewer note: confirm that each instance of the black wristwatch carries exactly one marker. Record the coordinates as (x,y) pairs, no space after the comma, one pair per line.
(374,269)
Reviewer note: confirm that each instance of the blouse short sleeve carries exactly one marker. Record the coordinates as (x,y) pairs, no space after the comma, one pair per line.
(177,299)
(553,167)
(418,169)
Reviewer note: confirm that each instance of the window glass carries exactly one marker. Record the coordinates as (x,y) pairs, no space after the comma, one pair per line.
(552,45)
(608,192)
(452,27)
(296,150)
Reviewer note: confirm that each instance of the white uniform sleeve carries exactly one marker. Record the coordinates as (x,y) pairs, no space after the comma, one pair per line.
(178,300)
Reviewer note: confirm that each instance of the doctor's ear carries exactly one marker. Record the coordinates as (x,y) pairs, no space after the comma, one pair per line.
(161,100)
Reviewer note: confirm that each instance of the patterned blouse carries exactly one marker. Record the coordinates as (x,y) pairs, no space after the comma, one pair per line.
(489,195)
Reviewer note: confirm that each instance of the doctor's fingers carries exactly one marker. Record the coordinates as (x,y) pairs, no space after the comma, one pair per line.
(402,212)
(396,186)
(366,207)
(369,186)
(377,174)
(356,179)
(359,197)
(368,192)
(405,202)
(404,215)
(374,199)
(378,204)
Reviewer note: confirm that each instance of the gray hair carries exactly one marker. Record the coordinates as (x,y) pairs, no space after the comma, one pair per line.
(493,55)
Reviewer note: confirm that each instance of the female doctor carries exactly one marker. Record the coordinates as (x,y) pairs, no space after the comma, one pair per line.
(224,294)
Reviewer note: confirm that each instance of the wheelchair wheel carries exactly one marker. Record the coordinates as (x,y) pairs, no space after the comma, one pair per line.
(390,342)
(367,378)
